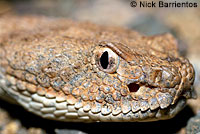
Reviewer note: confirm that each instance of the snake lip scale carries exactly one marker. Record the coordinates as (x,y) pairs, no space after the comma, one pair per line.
(82,72)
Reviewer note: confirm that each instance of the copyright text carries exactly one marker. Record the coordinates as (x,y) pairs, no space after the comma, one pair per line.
(163,4)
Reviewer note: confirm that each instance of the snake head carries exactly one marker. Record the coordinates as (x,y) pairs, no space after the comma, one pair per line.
(145,79)
(68,71)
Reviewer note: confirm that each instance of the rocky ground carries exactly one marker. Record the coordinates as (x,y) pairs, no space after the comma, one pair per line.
(183,23)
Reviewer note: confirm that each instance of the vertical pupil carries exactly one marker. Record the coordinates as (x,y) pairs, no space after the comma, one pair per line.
(104,60)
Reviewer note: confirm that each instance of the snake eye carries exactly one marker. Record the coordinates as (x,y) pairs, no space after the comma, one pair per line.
(107,60)
(104,60)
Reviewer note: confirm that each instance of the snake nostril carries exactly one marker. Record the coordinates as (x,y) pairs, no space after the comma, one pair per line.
(133,87)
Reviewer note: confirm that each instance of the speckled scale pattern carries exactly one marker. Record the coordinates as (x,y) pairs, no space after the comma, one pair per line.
(50,67)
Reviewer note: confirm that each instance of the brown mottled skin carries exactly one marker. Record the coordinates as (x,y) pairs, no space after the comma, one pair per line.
(54,68)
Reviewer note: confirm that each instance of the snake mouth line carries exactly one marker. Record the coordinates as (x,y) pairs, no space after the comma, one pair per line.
(143,116)
(140,116)
(157,114)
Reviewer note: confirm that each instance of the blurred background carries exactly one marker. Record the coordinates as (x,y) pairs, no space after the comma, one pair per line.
(183,23)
